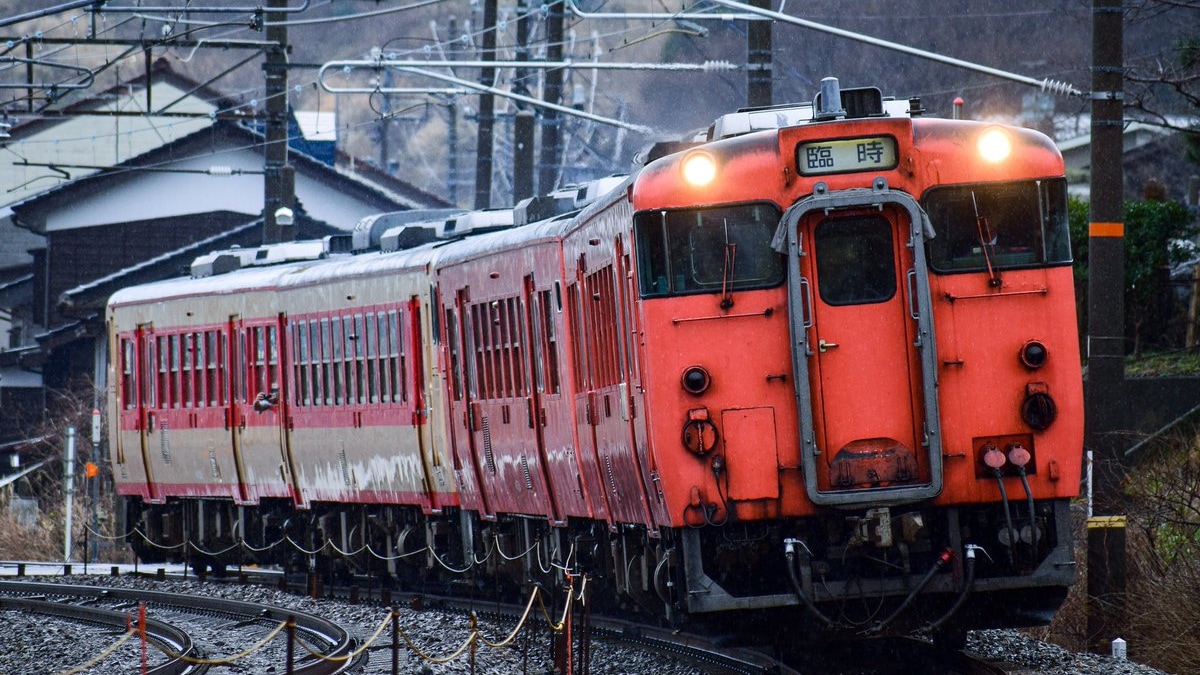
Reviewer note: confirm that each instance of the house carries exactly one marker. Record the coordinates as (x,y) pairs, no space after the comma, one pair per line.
(1151,153)
(103,201)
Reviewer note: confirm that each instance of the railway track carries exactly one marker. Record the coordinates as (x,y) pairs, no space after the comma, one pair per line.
(876,657)
(895,656)
(167,638)
(190,633)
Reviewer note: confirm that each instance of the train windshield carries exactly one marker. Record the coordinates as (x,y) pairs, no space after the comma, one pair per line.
(707,250)
(998,226)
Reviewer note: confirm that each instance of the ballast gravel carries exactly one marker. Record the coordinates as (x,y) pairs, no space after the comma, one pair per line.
(1044,658)
(35,645)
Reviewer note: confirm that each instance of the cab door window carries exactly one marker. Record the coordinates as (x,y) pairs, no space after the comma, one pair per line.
(855,260)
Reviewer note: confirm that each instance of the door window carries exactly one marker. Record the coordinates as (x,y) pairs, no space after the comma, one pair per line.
(855,260)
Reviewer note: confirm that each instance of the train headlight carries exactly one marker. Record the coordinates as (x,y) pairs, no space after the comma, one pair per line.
(1034,354)
(994,145)
(699,169)
(695,380)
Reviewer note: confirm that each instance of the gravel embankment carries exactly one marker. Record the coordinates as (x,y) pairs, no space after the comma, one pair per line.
(33,640)
(1043,658)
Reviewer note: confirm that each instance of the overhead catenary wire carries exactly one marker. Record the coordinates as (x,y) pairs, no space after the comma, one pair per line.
(1045,84)
(168,40)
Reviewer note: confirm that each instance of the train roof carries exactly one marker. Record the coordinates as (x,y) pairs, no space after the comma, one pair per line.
(277,277)
(852,103)
(585,198)
(369,231)
(228,260)
(484,244)
(415,239)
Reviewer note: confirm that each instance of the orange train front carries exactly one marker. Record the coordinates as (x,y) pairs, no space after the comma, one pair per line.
(865,366)
(817,374)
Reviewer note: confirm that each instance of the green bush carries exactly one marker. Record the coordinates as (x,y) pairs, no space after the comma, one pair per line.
(1152,230)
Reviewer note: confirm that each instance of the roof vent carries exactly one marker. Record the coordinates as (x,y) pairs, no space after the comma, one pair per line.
(407,236)
(231,260)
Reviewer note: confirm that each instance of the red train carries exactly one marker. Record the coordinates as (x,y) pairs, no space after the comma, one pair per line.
(817,373)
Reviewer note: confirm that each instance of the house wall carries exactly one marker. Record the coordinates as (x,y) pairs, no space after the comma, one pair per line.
(77,256)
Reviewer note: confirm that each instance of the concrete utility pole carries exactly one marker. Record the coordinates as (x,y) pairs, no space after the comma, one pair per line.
(758,60)
(487,111)
(548,171)
(1106,323)
(69,489)
(279,181)
(525,122)
(1106,230)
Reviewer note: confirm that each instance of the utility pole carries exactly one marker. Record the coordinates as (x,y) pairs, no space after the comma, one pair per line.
(452,178)
(385,122)
(1106,323)
(279,180)
(487,111)
(548,171)
(758,59)
(525,122)
(1106,240)
(69,490)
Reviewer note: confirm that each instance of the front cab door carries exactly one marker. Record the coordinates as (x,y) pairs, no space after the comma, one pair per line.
(863,347)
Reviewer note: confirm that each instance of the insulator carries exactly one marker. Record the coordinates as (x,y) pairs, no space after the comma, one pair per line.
(1057,87)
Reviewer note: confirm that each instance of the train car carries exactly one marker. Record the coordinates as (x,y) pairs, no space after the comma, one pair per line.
(865,375)
(815,374)
(247,394)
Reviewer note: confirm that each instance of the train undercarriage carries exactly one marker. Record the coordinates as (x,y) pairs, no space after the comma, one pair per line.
(848,574)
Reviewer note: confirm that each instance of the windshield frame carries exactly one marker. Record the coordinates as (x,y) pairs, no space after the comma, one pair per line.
(973,221)
(680,251)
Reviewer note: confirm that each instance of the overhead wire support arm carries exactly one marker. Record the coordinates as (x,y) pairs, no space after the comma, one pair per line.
(193,9)
(707,66)
(86,82)
(65,7)
(423,68)
(566,110)
(172,41)
(661,16)
(211,171)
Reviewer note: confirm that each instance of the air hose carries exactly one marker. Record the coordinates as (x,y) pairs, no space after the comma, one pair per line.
(790,550)
(1033,536)
(938,564)
(968,584)
(1012,536)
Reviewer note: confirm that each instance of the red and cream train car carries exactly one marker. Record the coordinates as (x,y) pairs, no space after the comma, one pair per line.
(818,370)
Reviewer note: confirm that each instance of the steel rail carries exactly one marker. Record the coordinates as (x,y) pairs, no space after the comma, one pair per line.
(333,660)
(158,632)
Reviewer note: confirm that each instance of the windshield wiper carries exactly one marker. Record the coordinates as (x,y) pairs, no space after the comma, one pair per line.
(987,243)
(727,275)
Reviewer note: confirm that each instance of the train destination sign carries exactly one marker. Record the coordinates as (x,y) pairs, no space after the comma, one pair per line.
(851,154)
